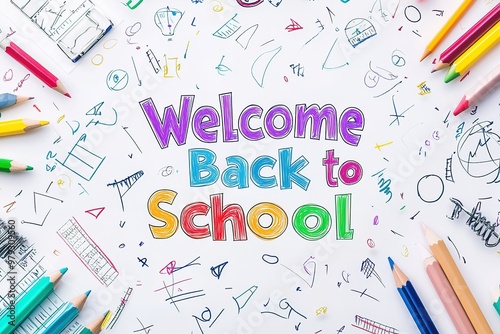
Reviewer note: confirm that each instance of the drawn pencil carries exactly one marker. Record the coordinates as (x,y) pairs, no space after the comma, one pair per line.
(65,314)
(19,126)
(412,301)
(443,256)
(447,27)
(449,55)
(30,301)
(8,100)
(445,292)
(11,166)
(33,66)
(474,53)
(482,88)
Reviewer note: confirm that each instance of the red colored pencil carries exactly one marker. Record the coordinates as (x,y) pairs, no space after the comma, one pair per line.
(466,40)
(33,66)
(482,88)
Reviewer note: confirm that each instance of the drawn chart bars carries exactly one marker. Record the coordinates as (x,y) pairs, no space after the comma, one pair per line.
(82,161)
(88,252)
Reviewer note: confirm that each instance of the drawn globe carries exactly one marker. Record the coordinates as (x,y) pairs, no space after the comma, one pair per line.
(479,151)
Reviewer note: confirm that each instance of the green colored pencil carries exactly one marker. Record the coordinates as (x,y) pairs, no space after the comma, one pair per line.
(9,166)
(29,302)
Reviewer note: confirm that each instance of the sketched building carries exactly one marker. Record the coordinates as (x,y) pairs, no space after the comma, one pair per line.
(359,30)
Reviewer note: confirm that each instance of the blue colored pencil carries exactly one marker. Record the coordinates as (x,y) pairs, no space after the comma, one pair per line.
(412,301)
(65,314)
(7,100)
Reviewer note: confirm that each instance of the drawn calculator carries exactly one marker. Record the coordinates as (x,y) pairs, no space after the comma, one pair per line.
(74,25)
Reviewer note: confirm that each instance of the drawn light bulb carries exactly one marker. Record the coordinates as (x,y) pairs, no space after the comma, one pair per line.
(166,20)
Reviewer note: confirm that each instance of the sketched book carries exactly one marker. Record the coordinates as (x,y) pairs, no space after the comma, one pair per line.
(74,25)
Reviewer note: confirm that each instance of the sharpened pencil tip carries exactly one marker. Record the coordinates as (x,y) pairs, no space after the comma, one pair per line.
(426,53)
(67,94)
(44,123)
(88,293)
(64,270)
(29,168)
(391,262)
(433,70)
(30,98)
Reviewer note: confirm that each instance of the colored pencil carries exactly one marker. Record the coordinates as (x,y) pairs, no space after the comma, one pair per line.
(30,301)
(33,66)
(474,53)
(482,88)
(447,27)
(412,301)
(496,301)
(65,314)
(446,293)
(449,55)
(19,126)
(7,100)
(10,166)
(95,326)
(469,304)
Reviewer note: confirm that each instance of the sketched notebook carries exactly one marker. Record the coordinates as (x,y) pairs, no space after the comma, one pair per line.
(74,25)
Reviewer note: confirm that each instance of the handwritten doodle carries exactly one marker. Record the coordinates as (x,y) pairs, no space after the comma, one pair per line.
(246,36)
(119,309)
(228,29)
(167,19)
(242,299)
(125,184)
(82,161)
(117,80)
(372,326)
(359,30)
(430,188)
(478,151)
(335,58)
(368,268)
(91,255)
(477,223)
(155,63)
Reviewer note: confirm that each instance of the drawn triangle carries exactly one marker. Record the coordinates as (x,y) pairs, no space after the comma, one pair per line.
(95,212)
(335,58)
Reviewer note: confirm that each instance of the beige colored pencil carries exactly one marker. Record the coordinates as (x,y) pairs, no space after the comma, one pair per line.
(469,304)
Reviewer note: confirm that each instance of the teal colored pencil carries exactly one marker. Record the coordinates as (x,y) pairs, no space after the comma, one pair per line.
(65,314)
(95,326)
(7,100)
(30,301)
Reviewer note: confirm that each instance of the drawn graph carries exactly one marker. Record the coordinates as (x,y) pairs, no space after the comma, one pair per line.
(82,161)
(88,252)
(126,184)
(374,327)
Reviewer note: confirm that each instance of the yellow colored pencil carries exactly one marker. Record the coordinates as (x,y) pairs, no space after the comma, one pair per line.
(474,53)
(447,27)
(19,126)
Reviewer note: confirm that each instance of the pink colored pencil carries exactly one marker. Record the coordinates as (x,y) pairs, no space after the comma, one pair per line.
(446,293)
(33,66)
(482,88)
(466,40)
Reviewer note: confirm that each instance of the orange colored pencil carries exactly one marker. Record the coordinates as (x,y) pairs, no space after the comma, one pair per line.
(447,27)
(443,256)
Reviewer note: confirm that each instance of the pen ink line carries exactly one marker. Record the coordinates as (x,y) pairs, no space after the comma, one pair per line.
(136,73)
